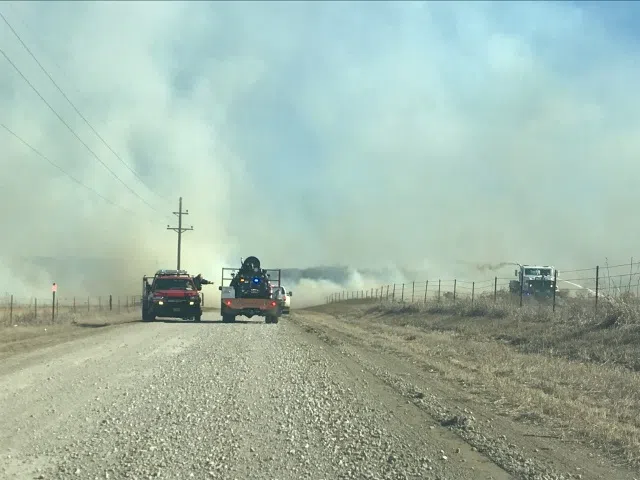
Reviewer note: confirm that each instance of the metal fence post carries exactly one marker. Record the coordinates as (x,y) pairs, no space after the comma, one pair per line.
(597,285)
(473,292)
(110,302)
(402,294)
(555,284)
(521,290)
(495,289)
(426,287)
(455,284)
(413,291)
(11,311)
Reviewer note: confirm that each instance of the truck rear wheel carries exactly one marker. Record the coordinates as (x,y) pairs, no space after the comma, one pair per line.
(197,318)
(228,318)
(271,319)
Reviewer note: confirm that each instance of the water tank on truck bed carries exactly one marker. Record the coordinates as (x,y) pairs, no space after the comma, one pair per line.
(249,292)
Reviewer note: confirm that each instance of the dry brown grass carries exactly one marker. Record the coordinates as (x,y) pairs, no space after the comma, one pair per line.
(573,373)
(24,315)
(574,331)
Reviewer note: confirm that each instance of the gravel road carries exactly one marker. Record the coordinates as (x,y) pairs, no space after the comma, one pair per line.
(212,400)
(237,401)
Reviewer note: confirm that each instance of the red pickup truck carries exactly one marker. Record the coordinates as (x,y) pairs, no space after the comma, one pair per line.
(171,294)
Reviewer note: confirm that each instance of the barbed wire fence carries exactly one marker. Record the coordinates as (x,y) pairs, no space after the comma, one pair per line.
(20,310)
(607,283)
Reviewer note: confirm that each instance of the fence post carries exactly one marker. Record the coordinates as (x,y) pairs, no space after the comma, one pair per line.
(402,294)
(387,292)
(455,283)
(110,302)
(555,286)
(597,285)
(58,307)
(439,284)
(426,287)
(413,291)
(393,294)
(473,292)
(53,307)
(521,290)
(11,311)
(495,289)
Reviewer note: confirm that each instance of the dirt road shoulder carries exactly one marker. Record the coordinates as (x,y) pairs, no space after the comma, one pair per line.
(26,342)
(488,394)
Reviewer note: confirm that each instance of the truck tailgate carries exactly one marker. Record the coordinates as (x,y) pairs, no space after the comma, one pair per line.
(240,303)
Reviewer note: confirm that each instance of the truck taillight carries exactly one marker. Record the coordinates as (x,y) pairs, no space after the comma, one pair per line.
(227,303)
(273,304)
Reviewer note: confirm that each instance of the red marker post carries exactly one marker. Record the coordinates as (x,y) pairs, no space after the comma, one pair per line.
(54,289)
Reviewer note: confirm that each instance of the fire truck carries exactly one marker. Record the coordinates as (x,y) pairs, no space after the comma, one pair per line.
(249,292)
(171,294)
(534,280)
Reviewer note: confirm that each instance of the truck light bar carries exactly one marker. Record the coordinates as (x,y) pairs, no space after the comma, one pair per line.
(171,272)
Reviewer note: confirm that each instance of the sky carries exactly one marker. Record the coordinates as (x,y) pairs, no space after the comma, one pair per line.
(429,136)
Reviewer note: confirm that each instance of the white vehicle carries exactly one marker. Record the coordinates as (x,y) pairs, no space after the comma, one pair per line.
(536,280)
(280,293)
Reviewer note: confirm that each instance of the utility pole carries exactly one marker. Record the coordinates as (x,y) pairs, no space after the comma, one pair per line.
(179,228)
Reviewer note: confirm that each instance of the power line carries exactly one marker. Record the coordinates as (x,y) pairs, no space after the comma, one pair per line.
(73,132)
(74,107)
(54,164)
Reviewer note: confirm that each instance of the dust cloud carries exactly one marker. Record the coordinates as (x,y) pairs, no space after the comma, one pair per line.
(403,137)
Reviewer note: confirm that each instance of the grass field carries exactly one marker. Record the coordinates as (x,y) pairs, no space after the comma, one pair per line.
(42,315)
(574,370)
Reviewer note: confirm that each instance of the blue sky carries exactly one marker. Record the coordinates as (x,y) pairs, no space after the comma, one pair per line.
(329,132)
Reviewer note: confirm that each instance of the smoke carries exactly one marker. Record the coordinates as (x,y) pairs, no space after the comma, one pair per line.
(490,267)
(374,135)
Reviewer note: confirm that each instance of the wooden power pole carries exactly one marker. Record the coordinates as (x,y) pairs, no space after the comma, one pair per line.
(180,229)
